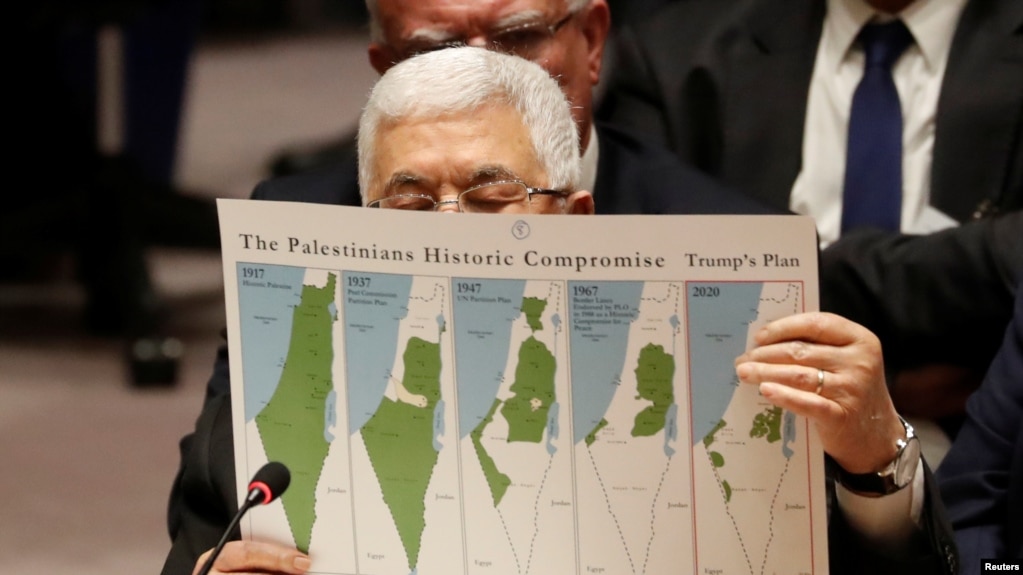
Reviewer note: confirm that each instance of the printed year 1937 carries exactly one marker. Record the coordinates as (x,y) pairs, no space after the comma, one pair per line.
(358,281)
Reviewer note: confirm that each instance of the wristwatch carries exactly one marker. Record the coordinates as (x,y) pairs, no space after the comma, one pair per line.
(894,476)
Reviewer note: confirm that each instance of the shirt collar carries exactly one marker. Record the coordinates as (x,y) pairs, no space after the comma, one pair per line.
(588,177)
(932,23)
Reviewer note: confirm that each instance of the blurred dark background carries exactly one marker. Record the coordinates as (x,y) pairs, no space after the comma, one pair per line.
(91,220)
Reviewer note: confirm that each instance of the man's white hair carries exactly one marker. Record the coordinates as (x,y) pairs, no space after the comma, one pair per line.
(463,80)
(376,27)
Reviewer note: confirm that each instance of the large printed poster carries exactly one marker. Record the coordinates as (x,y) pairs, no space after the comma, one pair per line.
(520,395)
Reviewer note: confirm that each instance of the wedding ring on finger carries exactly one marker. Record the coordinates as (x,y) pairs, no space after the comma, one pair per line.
(820,381)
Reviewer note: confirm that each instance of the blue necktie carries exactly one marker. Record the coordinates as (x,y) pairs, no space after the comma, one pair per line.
(872,195)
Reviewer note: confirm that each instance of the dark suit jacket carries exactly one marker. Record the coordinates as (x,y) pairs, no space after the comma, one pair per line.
(724,84)
(922,294)
(981,478)
(634,177)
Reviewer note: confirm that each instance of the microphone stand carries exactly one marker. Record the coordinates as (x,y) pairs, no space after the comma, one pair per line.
(254,497)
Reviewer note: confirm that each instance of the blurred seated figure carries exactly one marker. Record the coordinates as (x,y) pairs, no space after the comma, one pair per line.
(441,127)
(981,478)
(103,190)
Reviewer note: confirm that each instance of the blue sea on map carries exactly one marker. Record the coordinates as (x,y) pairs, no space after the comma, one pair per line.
(553,429)
(598,356)
(266,306)
(482,336)
(371,339)
(670,429)
(717,335)
(789,434)
(330,416)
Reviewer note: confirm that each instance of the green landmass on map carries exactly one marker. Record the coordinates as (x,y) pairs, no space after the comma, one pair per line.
(767,424)
(533,392)
(716,459)
(291,425)
(655,371)
(709,438)
(533,308)
(592,436)
(527,409)
(497,481)
(399,442)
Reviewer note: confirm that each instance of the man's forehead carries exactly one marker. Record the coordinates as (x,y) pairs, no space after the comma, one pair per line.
(463,149)
(468,176)
(440,19)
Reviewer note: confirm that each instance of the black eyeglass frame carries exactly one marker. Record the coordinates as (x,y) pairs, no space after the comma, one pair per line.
(457,201)
(493,38)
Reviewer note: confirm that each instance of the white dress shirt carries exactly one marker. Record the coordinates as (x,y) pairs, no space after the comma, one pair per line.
(817,191)
(837,71)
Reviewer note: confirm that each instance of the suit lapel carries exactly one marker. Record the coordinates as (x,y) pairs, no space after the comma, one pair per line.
(765,109)
(978,153)
(613,166)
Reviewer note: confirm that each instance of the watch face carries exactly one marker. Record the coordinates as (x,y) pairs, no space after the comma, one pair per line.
(894,476)
(907,462)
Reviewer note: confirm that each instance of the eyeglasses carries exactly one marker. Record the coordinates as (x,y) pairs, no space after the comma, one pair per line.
(490,198)
(529,40)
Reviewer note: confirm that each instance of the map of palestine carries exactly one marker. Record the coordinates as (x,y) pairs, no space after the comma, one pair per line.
(440,424)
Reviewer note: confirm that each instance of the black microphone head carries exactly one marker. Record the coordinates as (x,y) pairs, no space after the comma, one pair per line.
(270,481)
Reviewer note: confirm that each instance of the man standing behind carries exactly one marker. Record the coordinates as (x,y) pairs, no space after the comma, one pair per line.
(566,38)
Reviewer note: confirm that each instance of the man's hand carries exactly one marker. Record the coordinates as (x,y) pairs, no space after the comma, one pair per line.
(852,410)
(255,557)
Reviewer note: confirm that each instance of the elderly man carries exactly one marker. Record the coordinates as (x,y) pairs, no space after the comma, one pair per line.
(472,130)
(566,38)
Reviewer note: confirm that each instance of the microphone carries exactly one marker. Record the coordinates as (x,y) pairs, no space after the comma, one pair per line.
(267,484)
